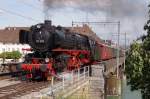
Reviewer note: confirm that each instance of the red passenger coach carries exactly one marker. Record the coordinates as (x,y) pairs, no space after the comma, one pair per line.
(106,52)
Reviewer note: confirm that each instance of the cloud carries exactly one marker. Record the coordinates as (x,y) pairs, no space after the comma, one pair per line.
(1,11)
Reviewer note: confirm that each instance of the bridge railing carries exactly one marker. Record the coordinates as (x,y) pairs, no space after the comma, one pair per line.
(67,81)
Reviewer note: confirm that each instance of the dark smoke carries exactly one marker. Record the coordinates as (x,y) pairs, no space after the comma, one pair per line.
(113,8)
(131,13)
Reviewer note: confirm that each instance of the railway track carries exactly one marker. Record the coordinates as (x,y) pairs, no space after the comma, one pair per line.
(5,77)
(23,88)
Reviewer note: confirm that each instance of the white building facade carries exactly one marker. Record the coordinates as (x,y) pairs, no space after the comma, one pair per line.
(9,47)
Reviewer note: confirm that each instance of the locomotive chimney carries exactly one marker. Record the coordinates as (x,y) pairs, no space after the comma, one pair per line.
(48,22)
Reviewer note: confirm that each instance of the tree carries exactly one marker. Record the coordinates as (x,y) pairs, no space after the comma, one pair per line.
(16,55)
(138,64)
(134,65)
(11,55)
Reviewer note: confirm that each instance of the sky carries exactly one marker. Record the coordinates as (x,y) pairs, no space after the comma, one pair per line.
(131,13)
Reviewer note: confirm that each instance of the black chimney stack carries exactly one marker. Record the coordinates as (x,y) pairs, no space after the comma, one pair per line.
(48,23)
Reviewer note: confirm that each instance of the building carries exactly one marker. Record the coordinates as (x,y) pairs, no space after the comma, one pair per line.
(9,47)
(9,40)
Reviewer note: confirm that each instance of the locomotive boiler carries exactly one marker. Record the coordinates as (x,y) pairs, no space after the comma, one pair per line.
(45,37)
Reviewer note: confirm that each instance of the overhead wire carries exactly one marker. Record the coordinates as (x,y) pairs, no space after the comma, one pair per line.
(30,5)
(18,14)
(37,8)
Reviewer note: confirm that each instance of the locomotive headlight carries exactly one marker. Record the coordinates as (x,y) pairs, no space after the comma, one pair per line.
(38,26)
(46,60)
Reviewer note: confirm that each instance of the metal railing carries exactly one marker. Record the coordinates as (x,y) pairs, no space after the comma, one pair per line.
(67,81)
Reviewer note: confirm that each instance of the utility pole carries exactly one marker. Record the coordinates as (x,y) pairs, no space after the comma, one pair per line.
(118,47)
(125,50)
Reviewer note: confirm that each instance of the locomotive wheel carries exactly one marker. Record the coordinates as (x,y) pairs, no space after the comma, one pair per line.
(60,66)
(18,67)
(61,62)
(43,68)
(73,63)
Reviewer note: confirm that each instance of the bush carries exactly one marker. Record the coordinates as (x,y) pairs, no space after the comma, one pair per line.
(11,55)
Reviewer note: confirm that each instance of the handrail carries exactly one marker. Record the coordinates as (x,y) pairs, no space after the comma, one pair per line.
(67,80)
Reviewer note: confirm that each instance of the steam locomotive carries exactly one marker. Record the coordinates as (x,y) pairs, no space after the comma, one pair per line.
(57,49)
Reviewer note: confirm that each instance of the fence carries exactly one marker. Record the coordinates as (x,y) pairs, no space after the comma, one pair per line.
(66,83)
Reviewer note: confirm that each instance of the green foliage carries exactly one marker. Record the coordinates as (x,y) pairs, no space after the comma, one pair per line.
(138,64)
(11,55)
(16,55)
(134,65)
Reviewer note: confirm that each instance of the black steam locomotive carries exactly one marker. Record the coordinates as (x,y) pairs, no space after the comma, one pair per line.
(44,37)
(54,49)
